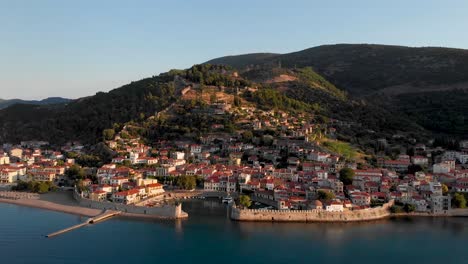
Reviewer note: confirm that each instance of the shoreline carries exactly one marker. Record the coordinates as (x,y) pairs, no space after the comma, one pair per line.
(64,202)
(91,212)
(76,210)
(453,213)
(46,205)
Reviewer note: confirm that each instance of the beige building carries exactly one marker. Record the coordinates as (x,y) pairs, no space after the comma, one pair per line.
(154,189)
(4,159)
(43,176)
(98,195)
(16,152)
(126,197)
(8,175)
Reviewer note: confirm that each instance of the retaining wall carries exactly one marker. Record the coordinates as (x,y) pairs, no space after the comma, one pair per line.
(311,215)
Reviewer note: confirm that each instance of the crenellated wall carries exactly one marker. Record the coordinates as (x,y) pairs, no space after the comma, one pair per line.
(311,215)
(166,211)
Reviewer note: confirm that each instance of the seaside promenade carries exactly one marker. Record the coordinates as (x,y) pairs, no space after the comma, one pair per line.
(18,195)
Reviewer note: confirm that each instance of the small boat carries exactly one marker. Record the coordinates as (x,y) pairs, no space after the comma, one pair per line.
(228,200)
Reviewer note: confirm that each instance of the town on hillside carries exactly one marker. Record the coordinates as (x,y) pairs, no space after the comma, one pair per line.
(293,169)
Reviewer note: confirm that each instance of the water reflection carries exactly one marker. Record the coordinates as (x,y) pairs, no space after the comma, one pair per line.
(178,227)
(333,234)
(210,216)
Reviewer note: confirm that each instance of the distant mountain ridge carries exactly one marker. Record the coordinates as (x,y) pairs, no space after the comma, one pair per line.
(364,69)
(48,101)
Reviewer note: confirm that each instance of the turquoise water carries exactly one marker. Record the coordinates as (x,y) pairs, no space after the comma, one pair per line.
(210,237)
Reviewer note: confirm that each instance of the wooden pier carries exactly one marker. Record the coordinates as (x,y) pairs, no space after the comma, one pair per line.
(99,218)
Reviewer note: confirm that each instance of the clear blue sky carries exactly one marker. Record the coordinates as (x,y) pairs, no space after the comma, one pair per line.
(76,48)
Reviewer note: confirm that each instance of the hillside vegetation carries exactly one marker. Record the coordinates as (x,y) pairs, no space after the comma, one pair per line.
(415,87)
(85,119)
(339,84)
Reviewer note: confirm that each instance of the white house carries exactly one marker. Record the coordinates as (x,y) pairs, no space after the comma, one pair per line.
(195,149)
(334,206)
(419,160)
(318,156)
(322,175)
(463,158)
(118,180)
(360,198)
(441,168)
(243,179)
(178,155)
(212,184)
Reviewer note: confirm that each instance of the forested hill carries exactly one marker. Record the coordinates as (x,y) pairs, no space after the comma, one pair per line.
(242,61)
(84,119)
(377,90)
(363,69)
(296,91)
(425,85)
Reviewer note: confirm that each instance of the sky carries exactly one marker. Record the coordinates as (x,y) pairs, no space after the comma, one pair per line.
(76,48)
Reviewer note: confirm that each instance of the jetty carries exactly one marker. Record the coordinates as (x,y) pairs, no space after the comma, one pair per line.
(99,218)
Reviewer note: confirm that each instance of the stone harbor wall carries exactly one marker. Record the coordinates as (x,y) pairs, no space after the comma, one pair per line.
(311,215)
(166,211)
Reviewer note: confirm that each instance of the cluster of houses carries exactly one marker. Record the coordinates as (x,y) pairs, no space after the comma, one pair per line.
(287,171)
(228,164)
(29,161)
(299,189)
(32,161)
(121,184)
(451,168)
(122,190)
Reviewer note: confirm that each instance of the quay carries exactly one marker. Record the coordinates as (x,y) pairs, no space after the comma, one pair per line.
(99,218)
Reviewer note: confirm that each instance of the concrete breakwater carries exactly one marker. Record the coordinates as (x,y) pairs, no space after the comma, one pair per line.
(165,211)
(311,215)
(104,216)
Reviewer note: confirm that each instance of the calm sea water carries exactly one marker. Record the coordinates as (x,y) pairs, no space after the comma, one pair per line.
(210,237)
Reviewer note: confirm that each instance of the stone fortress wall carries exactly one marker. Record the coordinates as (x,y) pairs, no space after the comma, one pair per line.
(166,211)
(311,215)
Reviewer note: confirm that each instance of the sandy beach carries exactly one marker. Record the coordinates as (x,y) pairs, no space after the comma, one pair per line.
(61,201)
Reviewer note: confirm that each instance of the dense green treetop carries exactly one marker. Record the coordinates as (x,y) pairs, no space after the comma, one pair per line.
(346,176)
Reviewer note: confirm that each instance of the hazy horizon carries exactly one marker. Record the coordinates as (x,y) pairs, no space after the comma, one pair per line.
(75,49)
